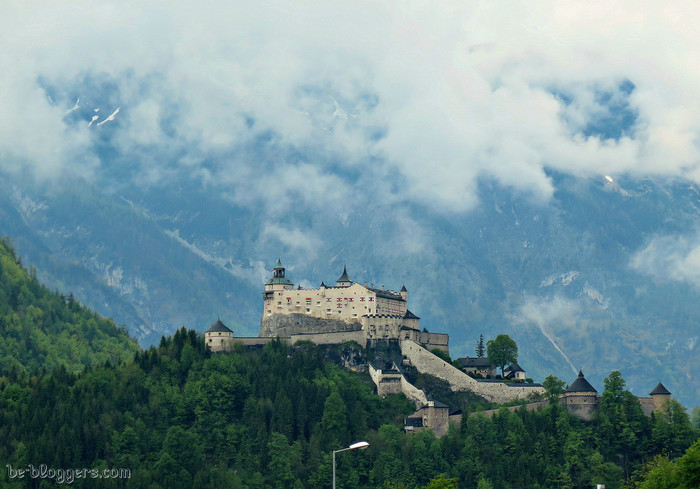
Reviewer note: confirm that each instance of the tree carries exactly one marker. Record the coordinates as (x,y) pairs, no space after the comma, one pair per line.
(554,387)
(480,350)
(502,351)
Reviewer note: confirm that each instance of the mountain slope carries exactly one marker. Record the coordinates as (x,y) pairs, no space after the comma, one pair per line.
(41,329)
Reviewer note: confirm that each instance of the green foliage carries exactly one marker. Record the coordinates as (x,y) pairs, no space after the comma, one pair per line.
(179,416)
(441,354)
(480,349)
(554,387)
(502,351)
(43,330)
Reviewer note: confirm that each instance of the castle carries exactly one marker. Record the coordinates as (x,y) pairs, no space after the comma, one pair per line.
(348,309)
(351,312)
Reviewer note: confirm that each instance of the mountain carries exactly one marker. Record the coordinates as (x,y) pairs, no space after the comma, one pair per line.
(599,278)
(43,330)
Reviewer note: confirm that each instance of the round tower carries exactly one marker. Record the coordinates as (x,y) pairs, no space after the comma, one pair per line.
(218,337)
(581,399)
(659,396)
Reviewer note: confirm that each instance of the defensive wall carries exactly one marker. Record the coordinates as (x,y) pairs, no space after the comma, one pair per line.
(497,391)
(394,382)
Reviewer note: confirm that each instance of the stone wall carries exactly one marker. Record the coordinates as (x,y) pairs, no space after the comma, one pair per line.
(433,341)
(413,393)
(290,324)
(331,338)
(647,404)
(499,392)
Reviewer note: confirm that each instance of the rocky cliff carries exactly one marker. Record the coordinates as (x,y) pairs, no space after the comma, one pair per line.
(288,324)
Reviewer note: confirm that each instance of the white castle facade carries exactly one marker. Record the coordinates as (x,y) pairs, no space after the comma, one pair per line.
(370,313)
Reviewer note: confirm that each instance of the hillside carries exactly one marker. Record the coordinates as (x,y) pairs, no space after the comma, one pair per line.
(177,416)
(41,330)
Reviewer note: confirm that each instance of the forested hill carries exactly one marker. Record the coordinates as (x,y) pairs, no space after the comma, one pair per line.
(178,416)
(41,329)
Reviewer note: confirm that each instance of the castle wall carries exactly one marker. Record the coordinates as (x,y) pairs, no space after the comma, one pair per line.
(583,405)
(413,393)
(299,323)
(434,341)
(331,338)
(499,392)
(387,383)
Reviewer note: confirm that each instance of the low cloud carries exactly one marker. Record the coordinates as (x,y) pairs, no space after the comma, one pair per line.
(670,258)
(396,98)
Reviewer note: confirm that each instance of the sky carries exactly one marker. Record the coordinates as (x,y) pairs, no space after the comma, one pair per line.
(416,101)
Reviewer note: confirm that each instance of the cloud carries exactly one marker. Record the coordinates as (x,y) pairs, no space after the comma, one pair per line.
(406,100)
(670,258)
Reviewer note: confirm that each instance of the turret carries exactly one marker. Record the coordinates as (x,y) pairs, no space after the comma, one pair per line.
(581,398)
(344,280)
(278,280)
(404,293)
(659,396)
(218,337)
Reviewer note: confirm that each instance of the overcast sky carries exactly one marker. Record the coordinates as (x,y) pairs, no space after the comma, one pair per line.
(429,95)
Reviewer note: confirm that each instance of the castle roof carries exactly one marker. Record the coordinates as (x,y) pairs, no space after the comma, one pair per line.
(219,327)
(660,389)
(344,279)
(410,315)
(436,404)
(581,385)
(403,289)
(387,294)
(279,265)
(480,362)
(279,280)
(515,368)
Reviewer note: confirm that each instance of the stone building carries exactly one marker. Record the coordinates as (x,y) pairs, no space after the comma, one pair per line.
(433,416)
(218,337)
(377,313)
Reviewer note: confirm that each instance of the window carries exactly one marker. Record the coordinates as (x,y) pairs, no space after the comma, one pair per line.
(362,299)
(371,299)
(328,299)
(308,310)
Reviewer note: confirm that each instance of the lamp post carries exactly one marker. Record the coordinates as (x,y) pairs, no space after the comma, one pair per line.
(359,444)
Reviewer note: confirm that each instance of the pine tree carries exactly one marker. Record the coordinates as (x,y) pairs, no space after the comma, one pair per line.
(480,350)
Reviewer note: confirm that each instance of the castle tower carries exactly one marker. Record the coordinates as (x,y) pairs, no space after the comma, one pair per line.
(278,280)
(581,399)
(659,395)
(404,293)
(218,336)
(344,280)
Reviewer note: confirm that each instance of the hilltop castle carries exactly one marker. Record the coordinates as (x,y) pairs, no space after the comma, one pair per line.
(348,311)
(351,312)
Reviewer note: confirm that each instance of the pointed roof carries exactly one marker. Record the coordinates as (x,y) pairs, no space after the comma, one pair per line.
(323,284)
(403,289)
(660,389)
(581,384)
(344,279)
(279,265)
(514,367)
(410,315)
(219,327)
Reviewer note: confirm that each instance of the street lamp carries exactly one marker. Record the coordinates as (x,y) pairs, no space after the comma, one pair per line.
(359,444)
